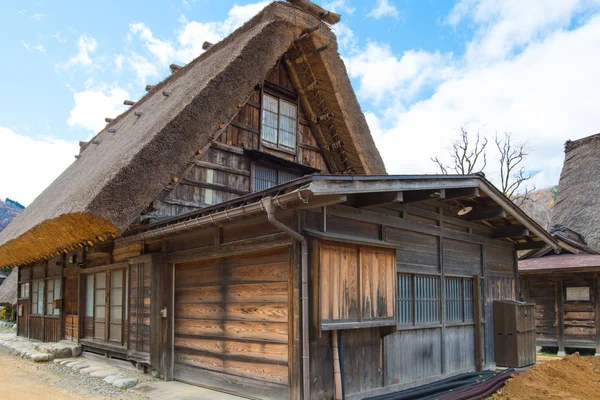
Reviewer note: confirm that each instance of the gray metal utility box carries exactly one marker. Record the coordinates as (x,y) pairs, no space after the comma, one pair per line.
(514,333)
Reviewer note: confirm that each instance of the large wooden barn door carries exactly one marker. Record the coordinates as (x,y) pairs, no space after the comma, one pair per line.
(231,324)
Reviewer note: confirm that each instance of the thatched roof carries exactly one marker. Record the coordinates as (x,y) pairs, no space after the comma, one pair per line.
(8,289)
(578,199)
(134,158)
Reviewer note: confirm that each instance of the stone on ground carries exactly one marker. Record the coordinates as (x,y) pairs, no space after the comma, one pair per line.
(111,378)
(125,383)
(102,373)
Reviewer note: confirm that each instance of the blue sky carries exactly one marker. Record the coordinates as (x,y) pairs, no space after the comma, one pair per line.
(421,70)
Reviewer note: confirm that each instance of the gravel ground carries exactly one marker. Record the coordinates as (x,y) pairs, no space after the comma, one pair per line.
(24,379)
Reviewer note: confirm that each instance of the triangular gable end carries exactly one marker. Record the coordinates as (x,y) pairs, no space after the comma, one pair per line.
(139,154)
(226,169)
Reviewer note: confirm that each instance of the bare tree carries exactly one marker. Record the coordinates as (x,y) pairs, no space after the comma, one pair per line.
(468,155)
(513,176)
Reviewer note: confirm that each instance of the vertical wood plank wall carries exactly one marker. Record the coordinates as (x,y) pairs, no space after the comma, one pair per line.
(428,244)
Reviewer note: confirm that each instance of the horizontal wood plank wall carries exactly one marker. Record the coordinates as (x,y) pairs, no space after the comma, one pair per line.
(231,323)
(417,353)
(542,292)
(579,316)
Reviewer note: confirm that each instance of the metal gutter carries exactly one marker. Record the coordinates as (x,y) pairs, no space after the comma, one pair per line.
(214,218)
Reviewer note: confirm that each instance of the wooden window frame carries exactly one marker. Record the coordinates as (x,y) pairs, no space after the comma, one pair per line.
(108,271)
(279,97)
(49,309)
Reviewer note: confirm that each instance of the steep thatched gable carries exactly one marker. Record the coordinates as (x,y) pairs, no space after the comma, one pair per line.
(579,190)
(123,169)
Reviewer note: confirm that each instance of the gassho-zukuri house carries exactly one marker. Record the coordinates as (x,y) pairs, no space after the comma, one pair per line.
(235,229)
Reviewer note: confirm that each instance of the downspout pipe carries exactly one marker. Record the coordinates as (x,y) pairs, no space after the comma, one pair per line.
(267,203)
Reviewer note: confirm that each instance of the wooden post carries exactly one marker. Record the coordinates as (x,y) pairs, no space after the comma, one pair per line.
(597,310)
(442,304)
(337,375)
(561,318)
(477,321)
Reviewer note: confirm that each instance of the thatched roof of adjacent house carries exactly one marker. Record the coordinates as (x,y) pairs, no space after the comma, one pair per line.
(123,169)
(8,289)
(579,190)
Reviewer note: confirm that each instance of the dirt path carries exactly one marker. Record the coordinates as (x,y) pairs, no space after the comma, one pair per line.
(22,379)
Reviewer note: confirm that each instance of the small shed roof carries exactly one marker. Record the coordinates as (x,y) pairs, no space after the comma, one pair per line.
(562,262)
(8,289)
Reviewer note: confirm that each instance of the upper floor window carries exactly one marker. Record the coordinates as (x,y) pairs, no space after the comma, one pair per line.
(279,121)
(266,177)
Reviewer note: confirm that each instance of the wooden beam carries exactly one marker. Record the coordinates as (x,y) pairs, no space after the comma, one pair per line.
(174,68)
(485,214)
(213,186)
(376,199)
(129,102)
(223,168)
(415,196)
(530,245)
(460,194)
(561,318)
(308,6)
(511,231)
(207,45)
(477,313)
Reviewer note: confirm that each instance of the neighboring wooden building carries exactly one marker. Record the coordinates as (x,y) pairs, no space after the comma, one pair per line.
(564,286)
(565,290)
(187,238)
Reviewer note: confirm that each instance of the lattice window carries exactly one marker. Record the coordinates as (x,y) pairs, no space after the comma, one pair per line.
(267,177)
(459,299)
(454,300)
(427,299)
(405,299)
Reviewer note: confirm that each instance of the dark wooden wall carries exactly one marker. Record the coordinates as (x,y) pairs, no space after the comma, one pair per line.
(427,243)
(225,171)
(561,322)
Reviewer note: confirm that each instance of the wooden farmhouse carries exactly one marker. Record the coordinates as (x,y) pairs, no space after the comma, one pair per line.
(565,286)
(235,229)
(565,290)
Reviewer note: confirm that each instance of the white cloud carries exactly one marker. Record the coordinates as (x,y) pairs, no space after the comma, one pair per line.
(37,17)
(339,6)
(30,158)
(188,42)
(143,68)
(58,37)
(381,73)
(30,48)
(541,85)
(383,8)
(505,26)
(86,46)
(96,103)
